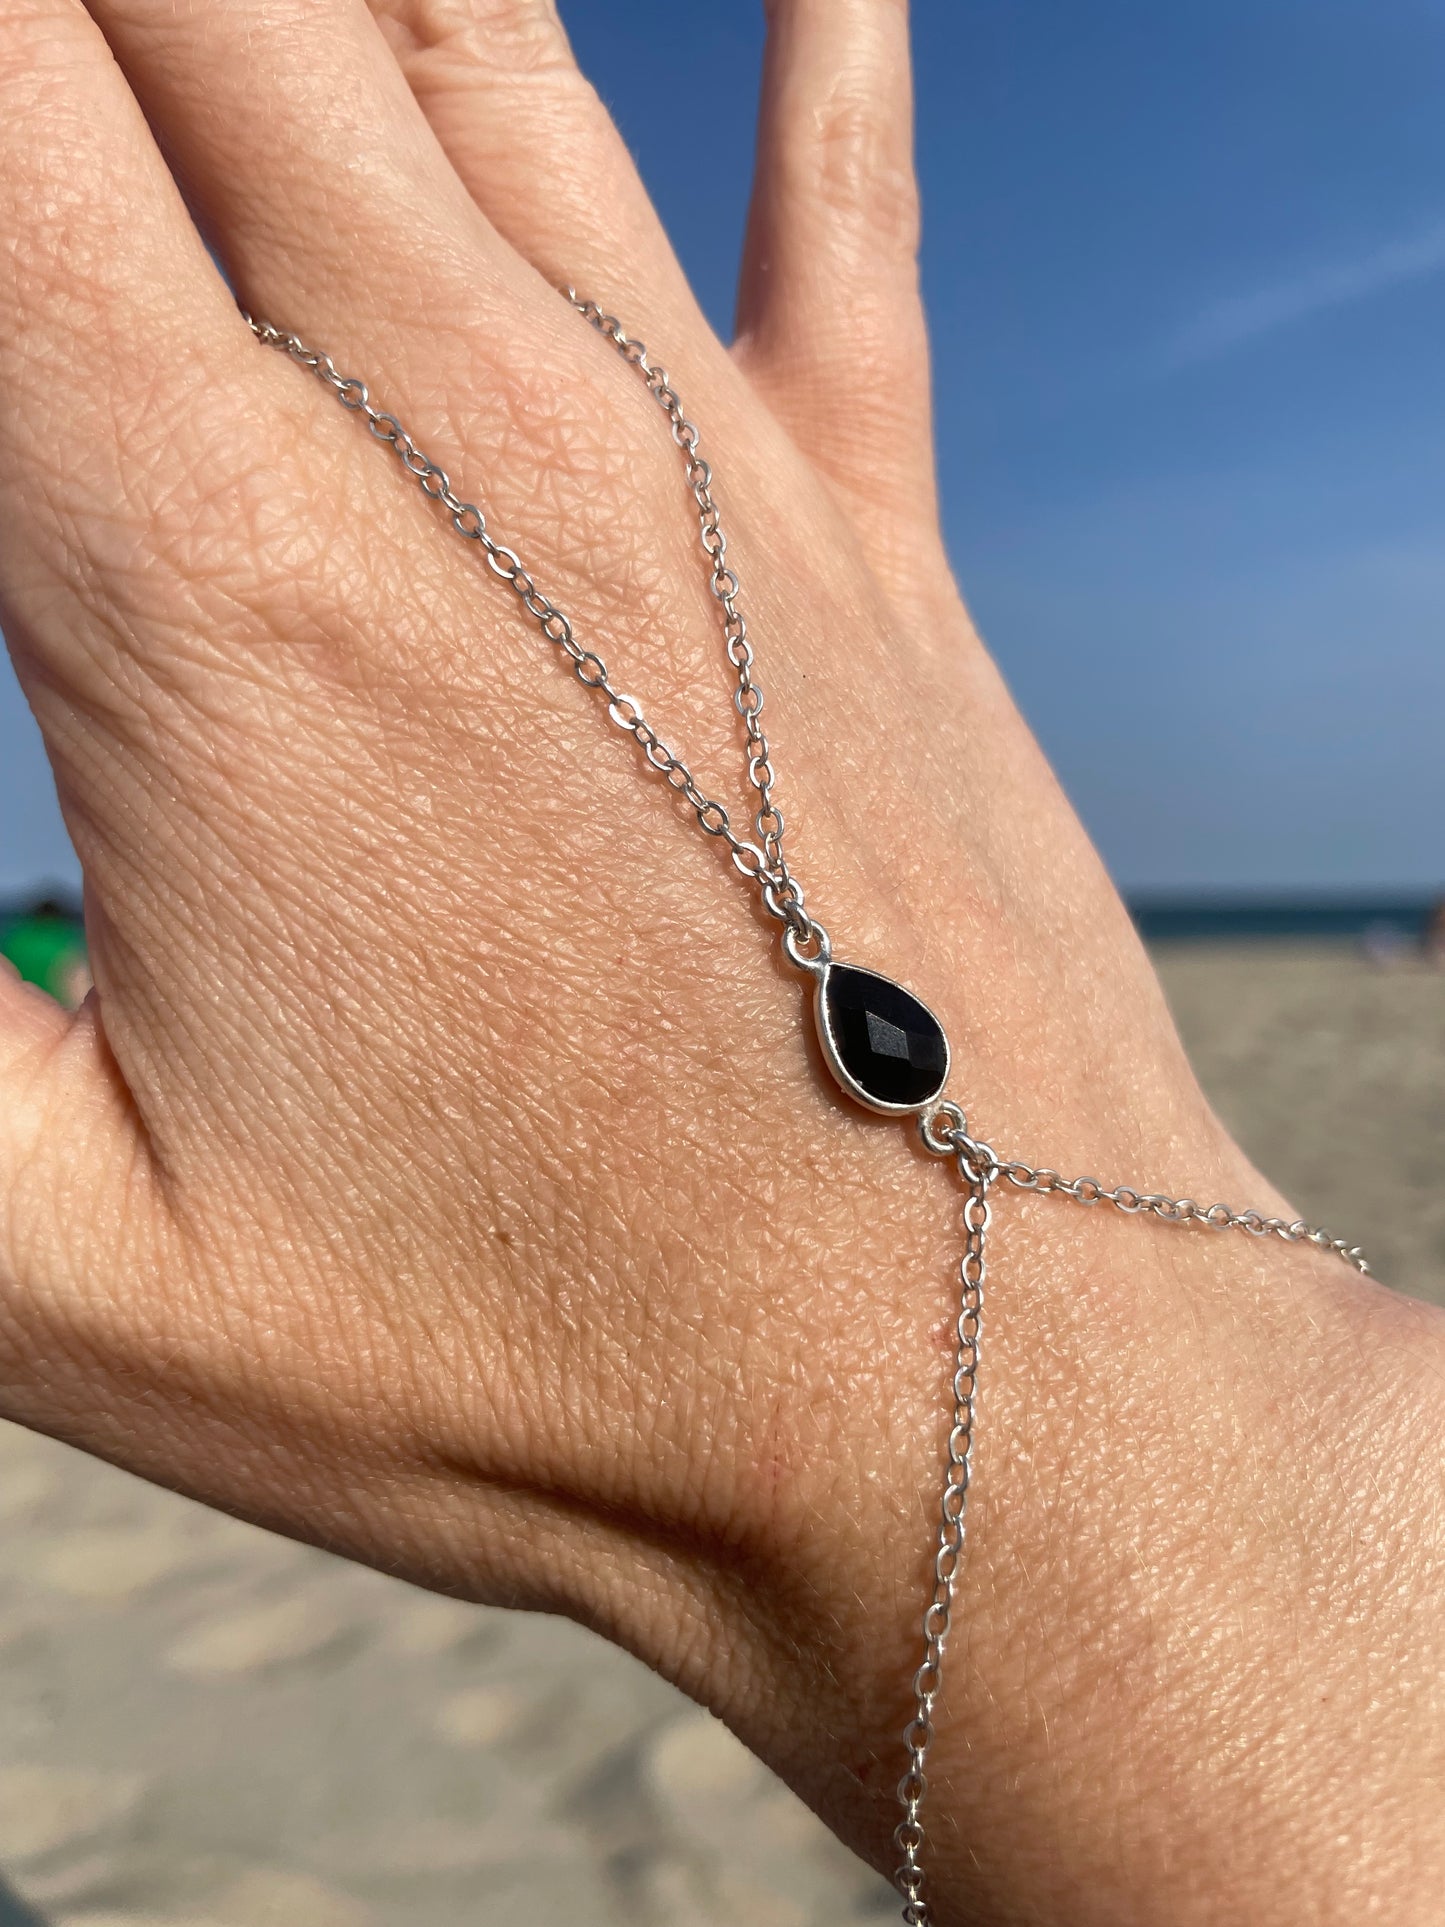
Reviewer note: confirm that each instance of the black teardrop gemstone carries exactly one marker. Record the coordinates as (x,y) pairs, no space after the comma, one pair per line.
(884,1047)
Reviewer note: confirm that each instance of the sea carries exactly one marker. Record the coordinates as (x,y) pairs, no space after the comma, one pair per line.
(1161,916)
(1166,916)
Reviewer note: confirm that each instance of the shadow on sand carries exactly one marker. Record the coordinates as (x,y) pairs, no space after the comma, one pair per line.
(13,1911)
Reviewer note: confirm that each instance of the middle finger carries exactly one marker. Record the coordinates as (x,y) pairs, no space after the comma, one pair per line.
(324,190)
(338,215)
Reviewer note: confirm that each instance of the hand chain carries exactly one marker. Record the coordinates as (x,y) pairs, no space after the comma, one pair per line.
(977,1174)
(945,1142)
(945,1133)
(763,862)
(944,1126)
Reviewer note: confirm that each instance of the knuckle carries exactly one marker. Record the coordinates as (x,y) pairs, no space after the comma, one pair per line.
(66,262)
(43,45)
(524,34)
(229,501)
(159,458)
(859,166)
(190,535)
(580,478)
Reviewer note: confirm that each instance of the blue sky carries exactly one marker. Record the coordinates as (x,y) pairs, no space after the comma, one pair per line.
(1185,267)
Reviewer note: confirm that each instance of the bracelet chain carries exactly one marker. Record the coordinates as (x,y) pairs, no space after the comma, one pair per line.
(944,1131)
(944,1126)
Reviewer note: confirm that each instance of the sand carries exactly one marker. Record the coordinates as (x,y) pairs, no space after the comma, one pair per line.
(202,1726)
(1331,1073)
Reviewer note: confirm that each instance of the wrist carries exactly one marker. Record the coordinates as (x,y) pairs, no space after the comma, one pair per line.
(1141,1722)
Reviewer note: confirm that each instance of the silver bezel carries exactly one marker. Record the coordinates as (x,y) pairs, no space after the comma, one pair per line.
(835,1063)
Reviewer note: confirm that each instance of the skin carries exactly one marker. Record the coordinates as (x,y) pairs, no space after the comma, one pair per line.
(443,1171)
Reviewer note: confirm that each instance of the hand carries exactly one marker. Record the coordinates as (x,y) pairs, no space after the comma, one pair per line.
(442,1171)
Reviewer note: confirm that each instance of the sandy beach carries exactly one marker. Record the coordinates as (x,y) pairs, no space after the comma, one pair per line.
(203,1726)
(1331,1073)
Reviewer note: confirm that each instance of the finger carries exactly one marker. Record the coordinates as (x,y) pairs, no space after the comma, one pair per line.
(314,173)
(110,311)
(33,1027)
(119,354)
(830,319)
(160,580)
(338,215)
(537,149)
(76,1192)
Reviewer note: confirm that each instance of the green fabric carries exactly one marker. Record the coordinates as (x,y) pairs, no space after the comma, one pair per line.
(45,950)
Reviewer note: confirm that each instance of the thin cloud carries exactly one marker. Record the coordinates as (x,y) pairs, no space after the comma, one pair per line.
(1244,318)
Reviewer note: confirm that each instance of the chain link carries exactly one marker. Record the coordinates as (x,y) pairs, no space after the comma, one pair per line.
(944,1127)
(762,862)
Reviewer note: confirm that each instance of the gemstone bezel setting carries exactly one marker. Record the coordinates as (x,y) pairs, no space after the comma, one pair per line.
(835,1052)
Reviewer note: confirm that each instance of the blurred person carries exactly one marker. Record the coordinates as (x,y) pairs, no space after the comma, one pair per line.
(45,944)
(1384,943)
(1434,938)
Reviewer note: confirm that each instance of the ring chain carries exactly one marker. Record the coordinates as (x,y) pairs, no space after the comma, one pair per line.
(762,862)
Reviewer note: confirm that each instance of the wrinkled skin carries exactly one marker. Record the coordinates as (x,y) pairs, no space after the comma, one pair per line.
(443,1171)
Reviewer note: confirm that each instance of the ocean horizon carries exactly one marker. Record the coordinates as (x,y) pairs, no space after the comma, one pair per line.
(1161,916)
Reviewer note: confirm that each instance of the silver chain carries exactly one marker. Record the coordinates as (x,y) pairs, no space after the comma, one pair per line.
(944,1127)
(761,862)
(944,1131)
(909,1836)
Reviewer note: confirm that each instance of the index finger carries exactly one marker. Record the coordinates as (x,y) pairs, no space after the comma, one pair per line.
(112,315)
